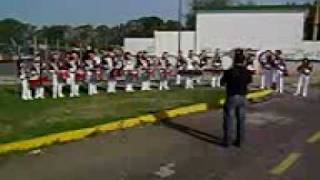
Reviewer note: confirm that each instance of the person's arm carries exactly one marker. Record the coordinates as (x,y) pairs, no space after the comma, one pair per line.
(249,77)
(224,78)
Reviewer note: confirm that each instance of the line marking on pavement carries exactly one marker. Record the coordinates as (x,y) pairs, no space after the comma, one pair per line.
(314,138)
(285,164)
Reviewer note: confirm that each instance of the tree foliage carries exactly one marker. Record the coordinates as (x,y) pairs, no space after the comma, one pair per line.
(100,36)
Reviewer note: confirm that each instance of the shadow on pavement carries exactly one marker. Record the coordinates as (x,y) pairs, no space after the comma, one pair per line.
(212,139)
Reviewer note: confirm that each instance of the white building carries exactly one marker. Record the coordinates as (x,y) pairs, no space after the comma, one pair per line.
(135,45)
(167,41)
(256,27)
(250,28)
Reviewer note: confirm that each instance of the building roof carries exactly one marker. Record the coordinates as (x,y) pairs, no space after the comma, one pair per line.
(257,8)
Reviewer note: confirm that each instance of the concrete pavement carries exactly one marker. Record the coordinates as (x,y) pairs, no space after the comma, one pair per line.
(187,148)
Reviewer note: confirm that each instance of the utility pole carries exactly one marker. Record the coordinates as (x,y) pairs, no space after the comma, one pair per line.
(180,25)
(195,10)
(316,22)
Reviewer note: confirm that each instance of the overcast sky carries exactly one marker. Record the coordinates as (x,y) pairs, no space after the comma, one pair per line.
(110,12)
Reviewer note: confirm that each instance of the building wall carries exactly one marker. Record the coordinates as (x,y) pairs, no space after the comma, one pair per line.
(261,30)
(138,44)
(167,41)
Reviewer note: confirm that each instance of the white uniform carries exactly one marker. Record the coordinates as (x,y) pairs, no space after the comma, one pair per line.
(74,86)
(91,78)
(129,65)
(164,84)
(267,75)
(26,93)
(304,80)
(54,75)
(216,78)
(35,73)
(189,84)
(145,73)
(281,72)
(180,64)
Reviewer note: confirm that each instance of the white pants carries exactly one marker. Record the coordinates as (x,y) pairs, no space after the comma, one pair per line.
(145,86)
(216,81)
(178,79)
(199,80)
(280,82)
(60,90)
(111,86)
(129,87)
(164,85)
(26,93)
(92,89)
(189,83)
(303,84)
(39,93)
(54,86)
(266,79)
(74,87)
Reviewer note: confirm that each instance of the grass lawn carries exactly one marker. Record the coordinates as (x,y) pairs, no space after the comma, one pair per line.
(21,120)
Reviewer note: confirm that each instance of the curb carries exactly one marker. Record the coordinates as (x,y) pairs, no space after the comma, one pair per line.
(69,136)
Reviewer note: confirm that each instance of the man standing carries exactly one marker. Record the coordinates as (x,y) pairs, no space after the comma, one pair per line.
(304,70)
(236,81)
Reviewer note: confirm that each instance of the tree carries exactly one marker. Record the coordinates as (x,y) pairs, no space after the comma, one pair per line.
(103,34)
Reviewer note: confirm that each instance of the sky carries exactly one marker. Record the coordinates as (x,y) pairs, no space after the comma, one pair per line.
(95,12)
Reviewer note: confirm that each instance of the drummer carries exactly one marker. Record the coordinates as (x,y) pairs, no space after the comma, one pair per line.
(192,65)
(24,75)
(63,75)
(73,70)
(218,70)
(36,79)
(129,70)
(164,71)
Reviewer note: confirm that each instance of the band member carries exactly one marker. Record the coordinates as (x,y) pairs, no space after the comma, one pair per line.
(164,71)
(181,63)
(266,62)
(53,69)
(281,72)
(63,76)
(129,70)
(190,67)
(217,75)
(145,72)
(91,67)
(73,70)
(115,67)
(250,63)
(36,79)
(304,70)
(24,74)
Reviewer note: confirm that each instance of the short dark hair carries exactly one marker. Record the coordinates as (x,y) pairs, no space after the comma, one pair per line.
(239,57)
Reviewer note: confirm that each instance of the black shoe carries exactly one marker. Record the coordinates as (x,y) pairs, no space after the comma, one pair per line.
(226,144)
(237,144)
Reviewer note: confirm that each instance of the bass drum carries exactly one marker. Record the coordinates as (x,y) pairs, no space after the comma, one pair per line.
(80,75)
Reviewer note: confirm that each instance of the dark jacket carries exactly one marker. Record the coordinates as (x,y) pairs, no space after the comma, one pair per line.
(236,81)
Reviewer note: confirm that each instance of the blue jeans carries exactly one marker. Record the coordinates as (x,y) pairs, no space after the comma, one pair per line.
(234,106)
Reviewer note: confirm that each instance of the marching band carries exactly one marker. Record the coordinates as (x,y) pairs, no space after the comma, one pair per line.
(72,71)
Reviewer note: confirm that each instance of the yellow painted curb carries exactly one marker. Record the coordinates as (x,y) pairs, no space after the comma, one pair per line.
(253,96)
(68,136)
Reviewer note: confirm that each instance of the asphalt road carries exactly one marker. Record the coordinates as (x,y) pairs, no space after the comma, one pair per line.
(188,148)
